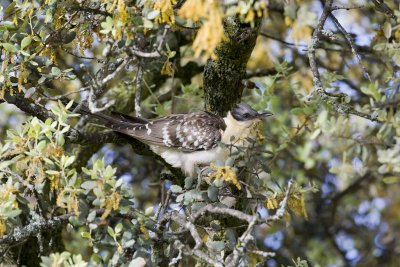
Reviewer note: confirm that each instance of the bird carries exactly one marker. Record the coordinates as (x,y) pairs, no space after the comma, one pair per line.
(191,139)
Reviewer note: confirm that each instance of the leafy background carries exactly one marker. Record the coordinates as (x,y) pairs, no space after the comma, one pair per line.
(71,199)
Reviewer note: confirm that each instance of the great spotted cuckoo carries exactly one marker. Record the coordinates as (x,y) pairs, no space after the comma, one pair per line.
(189,140)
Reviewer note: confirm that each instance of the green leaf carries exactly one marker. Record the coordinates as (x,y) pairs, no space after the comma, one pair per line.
(107,25)
(52,172)
(175,189)
(387,29)
(171,54)
(216,225)
(109,172)
(153,14)
(391,179)
(297,111)
(86,235)
(41,145)
(24,53)
(91,216)
(8,25)
(60,140)
(217,245)
(10,9)
(396,59)
(188,182)
(372,90)
(12,213)
(110,231)
(147,24)
(69,37)
(6,163)
(230,236)
(118,228)
(69,161)
(149,211)
(69,105)
(137,262)
(89,185)
(55,71)
(179,198)
(42,79)
(10,47)
(26,41)
(118,183)
(308,110)
(212,193)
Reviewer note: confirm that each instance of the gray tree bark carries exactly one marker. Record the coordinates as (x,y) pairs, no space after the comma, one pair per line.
(223,76)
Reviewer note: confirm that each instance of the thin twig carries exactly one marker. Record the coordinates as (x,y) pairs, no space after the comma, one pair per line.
(318,86)
(59,97)
(282,207)
(198,253)
(347,7)
(174,216)
(138,91)
(82,57)
(164,203)
(280,40)
(118,70)
(352,45)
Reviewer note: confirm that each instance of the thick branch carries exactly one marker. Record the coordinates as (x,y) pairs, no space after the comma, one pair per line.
(225,211)
(27,106)
(21,234)
(223,76)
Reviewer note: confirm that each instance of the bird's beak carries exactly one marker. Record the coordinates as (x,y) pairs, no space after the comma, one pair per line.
(265,114)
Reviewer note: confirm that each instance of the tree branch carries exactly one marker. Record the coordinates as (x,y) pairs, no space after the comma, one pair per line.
(223,76)
(20,234)
(318,86)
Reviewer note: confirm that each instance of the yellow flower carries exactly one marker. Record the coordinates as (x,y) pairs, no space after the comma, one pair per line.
(166,11)
(111,203)
(86,41)
(144,231)
(54,182)
(59,15)
(72,201)
(250,16)
(167,68)
(22,77)
(295,203)
(2,227)
(122,11)
(225,173)
(210,34)
(193,10)
(52,150)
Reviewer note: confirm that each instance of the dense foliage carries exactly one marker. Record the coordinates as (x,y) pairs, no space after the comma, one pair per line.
(318,186)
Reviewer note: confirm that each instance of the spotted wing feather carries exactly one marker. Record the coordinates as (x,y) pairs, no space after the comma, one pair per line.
(188,132)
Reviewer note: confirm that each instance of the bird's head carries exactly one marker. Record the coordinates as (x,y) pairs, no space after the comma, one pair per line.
(241,123)
(243,112)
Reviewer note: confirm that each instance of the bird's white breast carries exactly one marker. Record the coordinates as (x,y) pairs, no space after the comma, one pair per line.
(188,160)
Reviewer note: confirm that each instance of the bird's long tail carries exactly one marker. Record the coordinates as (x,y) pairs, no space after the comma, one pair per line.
(112,120)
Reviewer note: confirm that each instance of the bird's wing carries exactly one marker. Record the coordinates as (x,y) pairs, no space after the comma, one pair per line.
(189,132)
